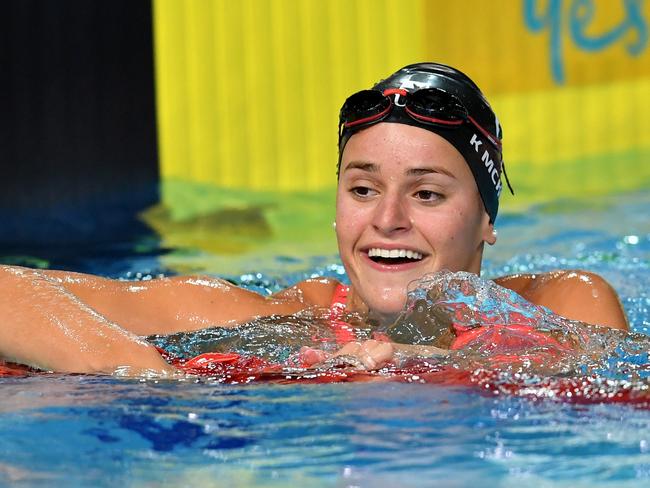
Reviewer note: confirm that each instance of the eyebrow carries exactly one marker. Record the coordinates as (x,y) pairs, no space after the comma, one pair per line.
(421,171)
(363,166)
(428,170)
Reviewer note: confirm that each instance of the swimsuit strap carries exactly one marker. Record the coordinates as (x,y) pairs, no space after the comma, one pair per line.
(340,297)
(343,332)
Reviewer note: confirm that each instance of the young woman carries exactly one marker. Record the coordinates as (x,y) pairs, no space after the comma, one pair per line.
(420,170)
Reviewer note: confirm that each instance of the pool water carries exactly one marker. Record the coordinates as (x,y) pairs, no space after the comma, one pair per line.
(104,431)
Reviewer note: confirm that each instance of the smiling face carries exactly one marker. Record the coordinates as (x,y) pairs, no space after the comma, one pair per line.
(406,205)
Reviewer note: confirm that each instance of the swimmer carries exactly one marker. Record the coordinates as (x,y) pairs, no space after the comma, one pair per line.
(419,178)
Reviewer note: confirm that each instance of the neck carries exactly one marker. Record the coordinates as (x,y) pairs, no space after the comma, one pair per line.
(374,318)
(381,320)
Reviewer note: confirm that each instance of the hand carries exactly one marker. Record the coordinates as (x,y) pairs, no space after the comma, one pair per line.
(370,354)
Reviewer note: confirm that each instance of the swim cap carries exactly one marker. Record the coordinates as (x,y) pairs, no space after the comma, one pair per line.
(442,100)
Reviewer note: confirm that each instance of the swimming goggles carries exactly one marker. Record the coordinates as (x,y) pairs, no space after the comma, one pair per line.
(427,106)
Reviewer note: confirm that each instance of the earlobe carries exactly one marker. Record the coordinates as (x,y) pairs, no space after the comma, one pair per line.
(490,235)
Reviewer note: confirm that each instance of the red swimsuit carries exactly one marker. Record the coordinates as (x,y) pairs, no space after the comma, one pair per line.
(343,331)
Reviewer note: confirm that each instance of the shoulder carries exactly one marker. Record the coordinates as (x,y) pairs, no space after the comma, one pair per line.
(575,294)
(316,292)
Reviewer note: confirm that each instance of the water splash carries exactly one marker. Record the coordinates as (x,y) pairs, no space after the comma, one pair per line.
(275,338)
(495,340)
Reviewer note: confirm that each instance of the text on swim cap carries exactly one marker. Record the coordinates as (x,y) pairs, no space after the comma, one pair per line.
(409,84)
(491,168)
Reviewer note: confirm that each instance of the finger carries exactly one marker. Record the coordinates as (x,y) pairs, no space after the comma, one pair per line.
(377,353)
(371,353)
(310,356)
(350,349)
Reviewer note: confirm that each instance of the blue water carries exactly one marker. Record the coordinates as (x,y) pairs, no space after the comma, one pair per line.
(104,431)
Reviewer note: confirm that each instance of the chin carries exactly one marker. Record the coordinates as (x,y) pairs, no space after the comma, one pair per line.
(387,308)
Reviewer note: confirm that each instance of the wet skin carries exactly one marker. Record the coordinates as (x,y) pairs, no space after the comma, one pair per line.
(401,189)
(405,188)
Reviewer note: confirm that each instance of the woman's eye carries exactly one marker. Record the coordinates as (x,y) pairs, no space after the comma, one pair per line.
(362,191)
(427,195)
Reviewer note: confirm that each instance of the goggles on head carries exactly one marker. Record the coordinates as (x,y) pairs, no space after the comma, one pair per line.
(427,106)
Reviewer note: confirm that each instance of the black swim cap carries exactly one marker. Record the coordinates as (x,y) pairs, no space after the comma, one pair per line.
(477,136)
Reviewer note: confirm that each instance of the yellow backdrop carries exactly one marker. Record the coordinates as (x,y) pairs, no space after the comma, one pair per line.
(248,93)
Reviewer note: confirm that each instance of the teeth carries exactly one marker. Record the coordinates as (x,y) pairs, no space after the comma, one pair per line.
(394,253)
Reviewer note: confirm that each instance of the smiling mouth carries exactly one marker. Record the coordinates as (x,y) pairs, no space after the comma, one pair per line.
(394,256)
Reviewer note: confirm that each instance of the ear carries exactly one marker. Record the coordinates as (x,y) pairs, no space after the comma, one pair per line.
(489,232)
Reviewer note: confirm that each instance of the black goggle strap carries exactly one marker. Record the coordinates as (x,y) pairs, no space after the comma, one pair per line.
(503,167)
(495,142)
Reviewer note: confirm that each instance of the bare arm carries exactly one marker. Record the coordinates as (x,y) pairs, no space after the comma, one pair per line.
(169,305)
(71,322)
(44,325)
(574,294)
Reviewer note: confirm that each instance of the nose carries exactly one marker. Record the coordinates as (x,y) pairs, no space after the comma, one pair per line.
(391,215)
